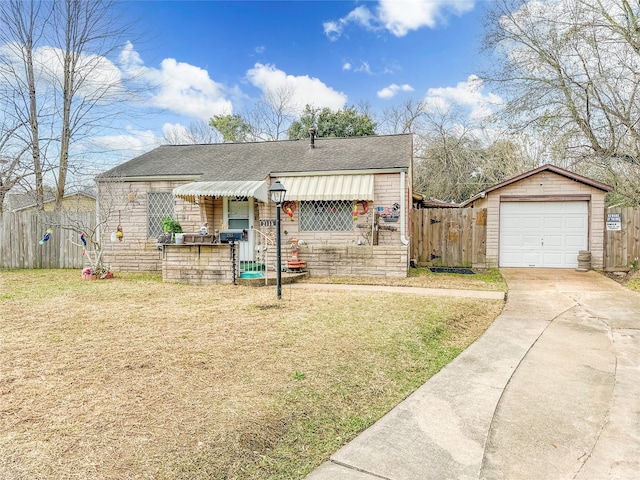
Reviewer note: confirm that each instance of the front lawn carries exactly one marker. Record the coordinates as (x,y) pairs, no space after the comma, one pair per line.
(136,378)
(481,279)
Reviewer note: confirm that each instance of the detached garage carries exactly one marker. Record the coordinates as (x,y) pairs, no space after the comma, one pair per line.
(543,218)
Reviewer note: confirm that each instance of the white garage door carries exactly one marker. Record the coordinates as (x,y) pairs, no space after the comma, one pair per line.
(542,234)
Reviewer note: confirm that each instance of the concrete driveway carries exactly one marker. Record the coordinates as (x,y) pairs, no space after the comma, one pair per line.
(550,391)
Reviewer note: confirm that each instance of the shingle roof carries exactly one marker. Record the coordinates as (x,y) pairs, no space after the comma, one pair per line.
(255,161)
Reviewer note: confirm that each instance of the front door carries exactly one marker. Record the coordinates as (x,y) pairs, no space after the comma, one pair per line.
(239,216)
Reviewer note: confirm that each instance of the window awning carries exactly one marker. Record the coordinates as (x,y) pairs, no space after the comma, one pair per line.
(329,187)
(255,189)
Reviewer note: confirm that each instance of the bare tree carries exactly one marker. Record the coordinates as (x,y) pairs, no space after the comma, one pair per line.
(273,113)
(91,235)
(57,79)
(456,158)
(569,70)
(21,29)
(13,167)
(405,118)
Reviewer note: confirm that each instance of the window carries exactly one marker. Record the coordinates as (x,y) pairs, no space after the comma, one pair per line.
(326,216)
(158,205)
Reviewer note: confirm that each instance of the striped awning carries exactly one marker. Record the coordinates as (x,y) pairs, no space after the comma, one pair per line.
(255,189)
(329,187)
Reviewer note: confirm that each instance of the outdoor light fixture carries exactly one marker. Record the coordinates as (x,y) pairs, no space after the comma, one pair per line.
(278,193)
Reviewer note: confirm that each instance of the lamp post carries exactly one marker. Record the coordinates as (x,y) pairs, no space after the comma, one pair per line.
(278,192)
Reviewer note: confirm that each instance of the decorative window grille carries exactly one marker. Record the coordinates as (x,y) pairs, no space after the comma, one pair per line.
(326,216)
(158,205)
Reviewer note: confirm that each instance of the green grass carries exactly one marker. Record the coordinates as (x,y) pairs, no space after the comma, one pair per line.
(483,279)
(634,283)
(136,378)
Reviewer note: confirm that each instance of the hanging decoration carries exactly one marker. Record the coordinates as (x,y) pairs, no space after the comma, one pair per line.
(46,236)
(289,207)
(119,233)
(83,239)
(365,208)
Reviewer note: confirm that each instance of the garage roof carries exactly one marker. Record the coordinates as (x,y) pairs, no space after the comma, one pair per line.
(548,168)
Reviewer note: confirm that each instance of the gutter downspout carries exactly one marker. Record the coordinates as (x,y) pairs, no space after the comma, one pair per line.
(403,208)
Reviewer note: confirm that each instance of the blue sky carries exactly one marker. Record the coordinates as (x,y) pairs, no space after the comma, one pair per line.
(217,57)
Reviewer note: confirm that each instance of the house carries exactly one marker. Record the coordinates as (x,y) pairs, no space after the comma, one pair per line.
(80,201)
(347,203)
(543,218)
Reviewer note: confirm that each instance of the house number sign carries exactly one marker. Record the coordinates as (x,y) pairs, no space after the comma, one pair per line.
(267,223)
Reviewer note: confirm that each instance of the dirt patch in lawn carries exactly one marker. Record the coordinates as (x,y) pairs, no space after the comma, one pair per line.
(135,378)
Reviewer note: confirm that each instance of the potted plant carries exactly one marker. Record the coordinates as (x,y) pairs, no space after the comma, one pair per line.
(169,224)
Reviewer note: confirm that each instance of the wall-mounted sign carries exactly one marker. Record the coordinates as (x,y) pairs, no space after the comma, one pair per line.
(614,222)
(267,223)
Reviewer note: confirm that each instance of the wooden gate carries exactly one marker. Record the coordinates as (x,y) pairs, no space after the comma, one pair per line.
(621,239)
(451,237)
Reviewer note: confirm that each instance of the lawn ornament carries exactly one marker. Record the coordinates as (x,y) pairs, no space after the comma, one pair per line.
(83,239)
(295,264)
(46,236)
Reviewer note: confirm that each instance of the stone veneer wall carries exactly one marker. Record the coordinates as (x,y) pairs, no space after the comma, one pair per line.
(204,264)
(359,261)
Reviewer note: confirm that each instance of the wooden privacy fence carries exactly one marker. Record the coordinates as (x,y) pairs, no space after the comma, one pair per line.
(621,239)
(451,237)
(20,233)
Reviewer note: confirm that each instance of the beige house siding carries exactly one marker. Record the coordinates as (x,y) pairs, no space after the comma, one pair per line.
(127,204)
(353,251)
(536,187)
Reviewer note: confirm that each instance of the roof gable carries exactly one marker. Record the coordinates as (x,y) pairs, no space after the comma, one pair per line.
(552,168)
(544,168)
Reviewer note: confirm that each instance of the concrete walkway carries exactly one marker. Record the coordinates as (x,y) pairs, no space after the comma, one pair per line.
(550,391)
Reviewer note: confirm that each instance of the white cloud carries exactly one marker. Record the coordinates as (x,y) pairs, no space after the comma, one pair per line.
(126,145)
(360,16)
(398,16)
(97,79)
(393,89)
(468,94)
(304,89)
(179,87)
(346,66)
(364,67)
(402,16)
